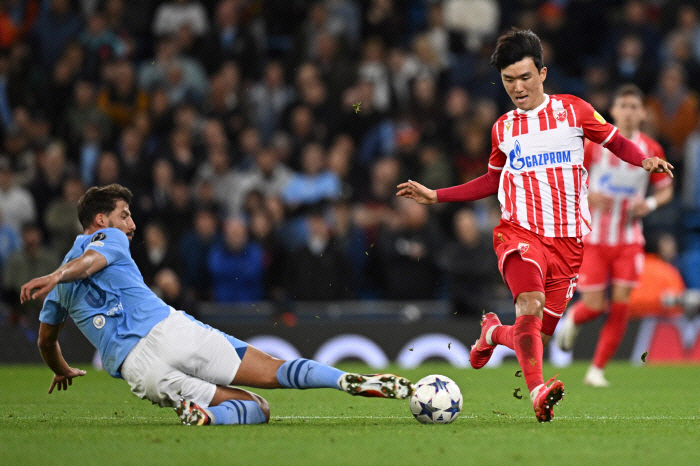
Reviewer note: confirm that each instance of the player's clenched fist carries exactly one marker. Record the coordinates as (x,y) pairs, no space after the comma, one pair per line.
(417,192)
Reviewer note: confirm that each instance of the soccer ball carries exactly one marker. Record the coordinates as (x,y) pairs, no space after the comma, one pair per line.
(436,400)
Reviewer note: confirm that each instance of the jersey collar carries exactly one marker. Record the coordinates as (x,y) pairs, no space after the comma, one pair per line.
(536,109)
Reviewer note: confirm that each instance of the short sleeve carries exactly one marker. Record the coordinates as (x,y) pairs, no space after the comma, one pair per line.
(497,159)
(52,312)
(593,124)
(112,243)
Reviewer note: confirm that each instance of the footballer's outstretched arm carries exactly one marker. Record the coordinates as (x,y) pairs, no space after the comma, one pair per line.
(479,188)
(51,354)
(79,268)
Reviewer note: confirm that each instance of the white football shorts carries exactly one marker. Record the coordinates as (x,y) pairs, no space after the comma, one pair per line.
(182,358)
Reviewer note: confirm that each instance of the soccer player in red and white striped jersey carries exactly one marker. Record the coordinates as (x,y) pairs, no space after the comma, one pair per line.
(615,248)
(536,167)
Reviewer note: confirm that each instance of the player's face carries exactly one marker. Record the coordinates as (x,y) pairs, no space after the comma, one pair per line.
(628,112)
(120,218)
(523,83)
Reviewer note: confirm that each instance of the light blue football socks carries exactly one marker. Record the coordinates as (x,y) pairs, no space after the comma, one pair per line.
(237,412)
(304,373)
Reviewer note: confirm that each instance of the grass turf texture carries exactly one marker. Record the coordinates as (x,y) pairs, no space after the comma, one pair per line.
(651,415)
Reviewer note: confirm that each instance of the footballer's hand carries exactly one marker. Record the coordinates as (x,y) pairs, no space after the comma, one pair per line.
(38,288)
(61,382)
(417,192)
(657,165)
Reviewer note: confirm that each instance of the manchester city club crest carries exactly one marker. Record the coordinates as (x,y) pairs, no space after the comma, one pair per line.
(98,321)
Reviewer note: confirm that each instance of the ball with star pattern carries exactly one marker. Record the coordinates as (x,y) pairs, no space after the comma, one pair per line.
(437,400)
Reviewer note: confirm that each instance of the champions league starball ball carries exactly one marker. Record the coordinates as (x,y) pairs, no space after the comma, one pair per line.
(436,400)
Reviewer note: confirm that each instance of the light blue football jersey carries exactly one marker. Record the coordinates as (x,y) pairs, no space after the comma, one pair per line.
(113,308)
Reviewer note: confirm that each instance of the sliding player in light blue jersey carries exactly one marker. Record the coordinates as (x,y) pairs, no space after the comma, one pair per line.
(165,355)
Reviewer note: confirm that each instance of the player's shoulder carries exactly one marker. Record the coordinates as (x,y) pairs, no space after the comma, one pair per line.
(104,235)
(569,99)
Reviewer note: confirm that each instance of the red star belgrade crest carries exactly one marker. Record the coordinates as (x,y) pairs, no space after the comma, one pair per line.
(560,115)
(523,247)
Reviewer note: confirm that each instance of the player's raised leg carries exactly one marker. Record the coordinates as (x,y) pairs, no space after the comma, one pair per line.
(261,370)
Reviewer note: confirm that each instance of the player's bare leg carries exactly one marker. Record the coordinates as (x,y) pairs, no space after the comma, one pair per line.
(258,369)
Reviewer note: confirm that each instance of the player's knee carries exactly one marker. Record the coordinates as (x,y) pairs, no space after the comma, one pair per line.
(530,303)
(264,405)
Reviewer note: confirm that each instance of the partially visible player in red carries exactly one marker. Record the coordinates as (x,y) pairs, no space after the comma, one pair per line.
(615,248)
(536,167)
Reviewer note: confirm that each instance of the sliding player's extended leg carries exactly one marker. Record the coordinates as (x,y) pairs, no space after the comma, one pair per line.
(261,370)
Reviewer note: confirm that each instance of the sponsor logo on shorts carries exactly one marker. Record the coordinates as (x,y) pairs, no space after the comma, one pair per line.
(98,321)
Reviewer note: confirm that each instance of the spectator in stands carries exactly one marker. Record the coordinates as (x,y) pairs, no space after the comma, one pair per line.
(236,265)
(181,77)
(53,29)
(172,15)
(121,99)
(268,176)
(674,109)
(319,269)
(9,243)
(660,282)
(107,169)
(230,40)
(16,20)
(268,98)
(100,44)
(470,268)
(31,260)
(315,184)
(155,252)
(168,287)
(194,249)
(53,169)
(224,180)
(405,253)
(61,216)
(135,167)
(17,202)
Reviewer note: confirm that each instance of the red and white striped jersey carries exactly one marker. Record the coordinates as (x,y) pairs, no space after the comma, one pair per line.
(625,184)
(539,152)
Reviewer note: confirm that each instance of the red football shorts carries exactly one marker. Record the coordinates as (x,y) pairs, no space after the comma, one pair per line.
(620,265)
(556,259)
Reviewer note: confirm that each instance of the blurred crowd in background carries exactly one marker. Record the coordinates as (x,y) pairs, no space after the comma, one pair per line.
(264,139)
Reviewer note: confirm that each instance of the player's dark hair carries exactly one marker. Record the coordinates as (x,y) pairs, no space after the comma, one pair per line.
(628,89)
(101,200)
(515,45)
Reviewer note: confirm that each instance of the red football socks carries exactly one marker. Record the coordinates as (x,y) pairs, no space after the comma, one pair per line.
(583,313)
(528,348)
(611,334)
(503,335)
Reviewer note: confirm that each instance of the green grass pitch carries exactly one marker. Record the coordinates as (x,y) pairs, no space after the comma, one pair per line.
(650,416)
